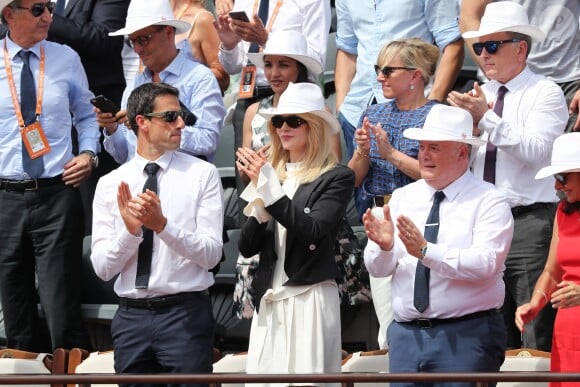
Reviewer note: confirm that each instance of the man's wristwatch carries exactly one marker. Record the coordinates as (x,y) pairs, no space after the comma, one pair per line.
(94,158)
(422,252)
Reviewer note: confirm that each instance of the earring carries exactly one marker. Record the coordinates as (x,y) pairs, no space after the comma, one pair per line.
(412,87)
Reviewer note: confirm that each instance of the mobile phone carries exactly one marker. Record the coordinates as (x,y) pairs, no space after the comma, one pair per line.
(105,104)
(240,15)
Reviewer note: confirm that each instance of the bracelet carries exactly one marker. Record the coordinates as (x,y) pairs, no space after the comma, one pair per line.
(543,294)
(360,153)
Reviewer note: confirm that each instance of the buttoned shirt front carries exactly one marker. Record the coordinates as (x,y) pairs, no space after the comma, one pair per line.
(191,243)
(65,102)
(198,90)
(534,114)
(365,26)
(309,17)
(467,262)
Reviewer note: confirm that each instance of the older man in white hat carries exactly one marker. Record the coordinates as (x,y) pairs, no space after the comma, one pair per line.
(151,28)
(520,114)
(444,240)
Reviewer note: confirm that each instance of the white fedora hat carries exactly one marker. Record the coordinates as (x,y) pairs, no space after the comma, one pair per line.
(505,16)
(287,43)
(4,3)
(145,13)
(565,156)
(303,98)
(445,123)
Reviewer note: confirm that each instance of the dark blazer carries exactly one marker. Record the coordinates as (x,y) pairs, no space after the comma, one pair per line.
(85,27)
(311,219)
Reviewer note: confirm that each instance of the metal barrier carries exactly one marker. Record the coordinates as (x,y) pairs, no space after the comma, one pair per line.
(347,379)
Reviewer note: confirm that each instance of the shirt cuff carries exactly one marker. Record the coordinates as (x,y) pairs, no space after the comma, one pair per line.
(489,123)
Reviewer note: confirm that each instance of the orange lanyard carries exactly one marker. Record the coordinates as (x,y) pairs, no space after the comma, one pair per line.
(274,13)
(13,87)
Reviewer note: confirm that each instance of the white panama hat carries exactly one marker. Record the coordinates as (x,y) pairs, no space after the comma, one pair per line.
(144,13)
(291,44)
(505,16)
(303,98)
(445,123)
(565,156)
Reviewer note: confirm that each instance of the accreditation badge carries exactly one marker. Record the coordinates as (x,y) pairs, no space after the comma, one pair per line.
(247,82)
(34,140)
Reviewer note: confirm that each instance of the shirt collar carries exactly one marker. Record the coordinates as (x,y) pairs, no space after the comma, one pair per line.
(14,49)
(453,189)
(162,161)
(174,67)
(518,82)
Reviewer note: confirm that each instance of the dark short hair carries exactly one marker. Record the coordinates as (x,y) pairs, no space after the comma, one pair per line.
(142,100)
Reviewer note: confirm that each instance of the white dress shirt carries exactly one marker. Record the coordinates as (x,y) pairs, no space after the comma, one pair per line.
(191,243)
(309,17)
(467,262)
(534,114)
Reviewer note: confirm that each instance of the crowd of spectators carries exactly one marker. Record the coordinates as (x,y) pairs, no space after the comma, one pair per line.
(165,66)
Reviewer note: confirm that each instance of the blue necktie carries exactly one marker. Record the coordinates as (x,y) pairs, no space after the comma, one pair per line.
(421,290)
(59,10)
(491,150)
(34,167)
(146,246)
(263,15)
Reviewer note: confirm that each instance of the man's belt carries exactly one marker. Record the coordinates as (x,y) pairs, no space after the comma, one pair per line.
(431,322)
(263,91)
(381,200)
(155,303)
(29,185)
(520,210)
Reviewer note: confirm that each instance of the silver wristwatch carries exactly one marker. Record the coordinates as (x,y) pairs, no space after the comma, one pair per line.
(94,158)
(423,251)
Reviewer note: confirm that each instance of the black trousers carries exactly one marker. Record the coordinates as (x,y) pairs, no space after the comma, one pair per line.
(41,237)
(174,339)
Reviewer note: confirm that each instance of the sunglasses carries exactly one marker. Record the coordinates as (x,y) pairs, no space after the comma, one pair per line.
(144,40)
(491,46)
(388,70)
(562,178)
(291,121)
(37,9)
(169,115)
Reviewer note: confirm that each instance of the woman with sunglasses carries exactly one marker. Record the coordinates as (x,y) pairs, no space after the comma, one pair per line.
(383,159)
(297,195)
(285,59)
(559,283)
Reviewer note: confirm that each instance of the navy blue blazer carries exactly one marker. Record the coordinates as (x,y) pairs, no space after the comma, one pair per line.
(311,219)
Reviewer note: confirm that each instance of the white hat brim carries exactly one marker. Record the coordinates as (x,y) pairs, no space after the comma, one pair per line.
(311,64)
(534,32)
(420,134)
(554,169)
(179,25)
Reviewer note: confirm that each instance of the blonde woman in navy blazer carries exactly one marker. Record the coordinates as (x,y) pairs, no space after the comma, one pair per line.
(297,196)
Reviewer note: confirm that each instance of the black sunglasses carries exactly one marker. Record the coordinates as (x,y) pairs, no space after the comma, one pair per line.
(144,40)
(561,177)
(37,9)
(291,121)
(491,46)
(388,70)
(169,115)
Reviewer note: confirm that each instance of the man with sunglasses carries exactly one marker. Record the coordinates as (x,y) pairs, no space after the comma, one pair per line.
(151,28)
(520,114)
(45,93)
(161,239)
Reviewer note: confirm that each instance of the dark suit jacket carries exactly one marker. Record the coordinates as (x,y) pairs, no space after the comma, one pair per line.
(311,219)
(85,27)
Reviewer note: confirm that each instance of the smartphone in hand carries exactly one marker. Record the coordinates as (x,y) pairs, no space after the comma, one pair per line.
(105,104)
(240,15)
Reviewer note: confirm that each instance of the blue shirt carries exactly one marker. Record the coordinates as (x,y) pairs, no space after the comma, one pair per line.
(365,26)
(65,102)
(383,177)
(199,91)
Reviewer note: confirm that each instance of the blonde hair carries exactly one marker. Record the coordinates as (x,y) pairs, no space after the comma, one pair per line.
(414,52)
(319,157)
